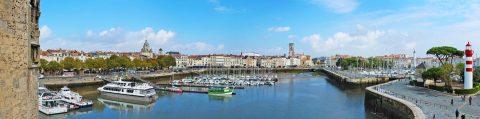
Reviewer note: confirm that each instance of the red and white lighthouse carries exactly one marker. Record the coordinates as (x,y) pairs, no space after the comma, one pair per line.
(468,78)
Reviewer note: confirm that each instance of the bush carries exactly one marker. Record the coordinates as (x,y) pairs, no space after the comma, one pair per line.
(415,83)
(440,88)
(468,91)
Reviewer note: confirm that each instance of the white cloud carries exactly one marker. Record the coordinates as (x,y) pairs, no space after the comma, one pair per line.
(411,45)
(159,37)
(361,42)
(220,47)
(279,29)
(291,36)
(113,39)
(338,6)
(198,48)
(221,9)
(118,39)
(218,7)
(90,33)
(45,32)
(418,27)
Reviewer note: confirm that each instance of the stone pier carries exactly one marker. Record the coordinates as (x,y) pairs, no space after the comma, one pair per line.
(353,80)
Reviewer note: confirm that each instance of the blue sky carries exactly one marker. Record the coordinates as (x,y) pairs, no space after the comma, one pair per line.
(317,27)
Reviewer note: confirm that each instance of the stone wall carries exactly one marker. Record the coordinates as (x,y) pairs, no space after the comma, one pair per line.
(19,49)
(353,81)
(390,106)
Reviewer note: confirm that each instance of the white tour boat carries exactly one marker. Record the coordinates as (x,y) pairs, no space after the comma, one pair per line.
(74,98)
(129,90)
(49,102)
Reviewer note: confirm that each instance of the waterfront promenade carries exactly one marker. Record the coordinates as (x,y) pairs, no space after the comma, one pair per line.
(354,77)
(433,102)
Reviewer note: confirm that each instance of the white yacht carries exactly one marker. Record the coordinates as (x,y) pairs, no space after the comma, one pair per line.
(74,98)
(129,90)
(49,102)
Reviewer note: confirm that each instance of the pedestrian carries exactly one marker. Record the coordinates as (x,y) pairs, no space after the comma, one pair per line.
(451,102)
(470,100)
(433,116)
(456,113)
(463,116)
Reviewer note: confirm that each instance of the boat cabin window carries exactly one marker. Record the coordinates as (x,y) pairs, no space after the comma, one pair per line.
(112,89)
(121,84)
(129,91)
(131,84)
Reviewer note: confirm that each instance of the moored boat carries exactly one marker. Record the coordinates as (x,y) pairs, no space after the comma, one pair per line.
(218,90)
(174,89)
(74,98)
(129,90)
(49,102)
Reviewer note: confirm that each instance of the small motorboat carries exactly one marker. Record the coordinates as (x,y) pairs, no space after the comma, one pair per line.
(74,98)
(174,89)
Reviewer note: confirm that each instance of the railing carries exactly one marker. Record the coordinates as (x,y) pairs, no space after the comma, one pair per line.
(419,102)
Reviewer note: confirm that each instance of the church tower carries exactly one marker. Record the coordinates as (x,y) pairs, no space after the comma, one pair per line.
(147,50)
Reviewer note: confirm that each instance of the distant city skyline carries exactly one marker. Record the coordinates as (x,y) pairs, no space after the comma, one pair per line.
(317,27)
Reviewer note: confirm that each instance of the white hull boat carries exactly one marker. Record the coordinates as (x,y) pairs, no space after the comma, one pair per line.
(74,98)
(49,102)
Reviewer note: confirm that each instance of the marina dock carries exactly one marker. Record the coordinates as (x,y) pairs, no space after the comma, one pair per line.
(193,85)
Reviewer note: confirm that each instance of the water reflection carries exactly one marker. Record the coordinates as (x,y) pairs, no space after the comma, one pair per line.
(81,111)
(223,98)
(125,106)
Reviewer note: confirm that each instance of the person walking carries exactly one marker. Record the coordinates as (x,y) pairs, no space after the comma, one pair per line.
(456,113)
(470,100)
(463,116)
(451,102)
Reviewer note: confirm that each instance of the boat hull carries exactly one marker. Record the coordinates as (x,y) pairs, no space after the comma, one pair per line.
(139,99)
(220,93)
(50,111)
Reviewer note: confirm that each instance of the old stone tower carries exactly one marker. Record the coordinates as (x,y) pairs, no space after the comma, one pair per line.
(19,49)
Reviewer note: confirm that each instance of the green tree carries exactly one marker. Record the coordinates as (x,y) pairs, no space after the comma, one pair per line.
(123,62)
(101,64)
(137,63)
(169,61)
(445,53)
(112,63)
(153,63)
(432,73)
(476,74)
(160,61)
(54,67)
(90,63)
(459,70)
(446,70)
(43,64)
(69,63)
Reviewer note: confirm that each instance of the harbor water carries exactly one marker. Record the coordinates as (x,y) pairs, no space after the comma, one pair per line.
(296,96)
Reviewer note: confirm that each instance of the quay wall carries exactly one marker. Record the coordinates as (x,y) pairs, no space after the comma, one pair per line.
(356,81)
(392,107)
(183,74)
(58,82)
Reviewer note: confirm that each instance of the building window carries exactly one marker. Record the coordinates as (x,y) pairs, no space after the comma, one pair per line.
(34,52)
